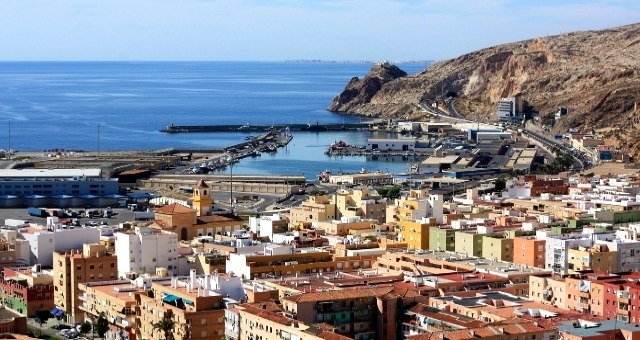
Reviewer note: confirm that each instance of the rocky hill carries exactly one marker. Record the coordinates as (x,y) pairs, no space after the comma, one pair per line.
(596,74)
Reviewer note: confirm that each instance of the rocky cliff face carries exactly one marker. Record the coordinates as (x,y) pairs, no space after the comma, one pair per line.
(596,74)
(359,92)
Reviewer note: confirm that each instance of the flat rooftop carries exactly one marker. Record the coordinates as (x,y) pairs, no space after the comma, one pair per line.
(48,173)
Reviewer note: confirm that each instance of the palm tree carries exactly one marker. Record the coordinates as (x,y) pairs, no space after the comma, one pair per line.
(166,326)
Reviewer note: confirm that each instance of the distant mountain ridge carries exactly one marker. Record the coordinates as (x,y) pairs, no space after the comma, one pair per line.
(596,74)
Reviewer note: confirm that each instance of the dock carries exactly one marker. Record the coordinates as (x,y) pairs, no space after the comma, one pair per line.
(318,127)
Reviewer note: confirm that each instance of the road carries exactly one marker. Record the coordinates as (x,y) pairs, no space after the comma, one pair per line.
(579,158)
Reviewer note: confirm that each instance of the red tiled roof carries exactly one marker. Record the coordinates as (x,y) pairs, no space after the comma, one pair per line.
(174,209)
(333,336)
(267,314)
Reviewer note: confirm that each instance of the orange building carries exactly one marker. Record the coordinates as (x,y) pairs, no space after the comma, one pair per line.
(189,223)
(92,263)
(528,251)
(197,313)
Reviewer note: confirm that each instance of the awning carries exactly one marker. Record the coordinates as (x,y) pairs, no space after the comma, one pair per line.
(57,312)
(170,298)
(113,196)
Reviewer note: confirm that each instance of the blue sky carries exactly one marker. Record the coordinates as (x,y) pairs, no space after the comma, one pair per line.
(287,29)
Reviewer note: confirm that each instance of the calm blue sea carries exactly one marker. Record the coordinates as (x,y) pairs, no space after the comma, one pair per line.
(60,105)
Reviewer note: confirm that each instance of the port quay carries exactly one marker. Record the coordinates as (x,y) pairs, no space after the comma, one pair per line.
(261,128)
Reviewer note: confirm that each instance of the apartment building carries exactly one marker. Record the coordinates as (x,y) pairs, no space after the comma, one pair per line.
(279,260)
(597,258)
(346,225)
(442,238)
(72,267)
(9,254)
(26,290)
(196,304)
(266,226)
(364,203)
(145,249)
(414,206)
(515,329)
(315,208)
(116,301)
(364,313)
(469,242)
(267,320)
(597,330)
(416,233)
(529,251)
(498,248)
(44,242)
(557,247)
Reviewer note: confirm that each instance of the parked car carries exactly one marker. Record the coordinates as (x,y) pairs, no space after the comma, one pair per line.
(61,326)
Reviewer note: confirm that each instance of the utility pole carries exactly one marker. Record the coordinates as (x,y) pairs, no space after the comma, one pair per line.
(98,140)
(9,149)
(231,188)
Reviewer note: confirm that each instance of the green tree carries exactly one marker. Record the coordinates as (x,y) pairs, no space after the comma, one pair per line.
(42,316)
(85,327)
(102,325)
(500,184)
(166,326)
(389,192)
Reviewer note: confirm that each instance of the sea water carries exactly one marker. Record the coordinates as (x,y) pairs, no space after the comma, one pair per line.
(123,106)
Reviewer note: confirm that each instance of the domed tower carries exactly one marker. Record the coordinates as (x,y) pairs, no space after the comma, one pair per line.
(201,200)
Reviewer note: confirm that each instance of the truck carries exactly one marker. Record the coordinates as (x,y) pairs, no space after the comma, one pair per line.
(37,212)
(144,215)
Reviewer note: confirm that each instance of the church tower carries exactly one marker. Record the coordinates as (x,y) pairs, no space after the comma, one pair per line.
(201,200)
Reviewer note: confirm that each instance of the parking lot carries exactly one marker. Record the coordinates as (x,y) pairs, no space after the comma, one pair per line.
(120,215)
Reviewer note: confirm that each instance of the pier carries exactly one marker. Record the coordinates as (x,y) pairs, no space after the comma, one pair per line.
(318,127)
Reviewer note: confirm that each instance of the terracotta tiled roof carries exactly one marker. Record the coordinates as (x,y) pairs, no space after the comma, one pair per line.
(162,224)
(333,336)
(333,295)
(201,185)
(267,314)
(174,209)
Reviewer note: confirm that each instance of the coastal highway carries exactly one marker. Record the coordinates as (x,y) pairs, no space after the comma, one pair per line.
(579,159)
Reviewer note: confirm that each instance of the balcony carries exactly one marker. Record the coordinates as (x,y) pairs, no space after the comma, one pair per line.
(585,295)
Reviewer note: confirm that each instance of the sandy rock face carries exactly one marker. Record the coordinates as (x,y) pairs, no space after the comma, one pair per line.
(596,74)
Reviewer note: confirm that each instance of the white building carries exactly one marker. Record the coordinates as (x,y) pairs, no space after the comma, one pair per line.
(509,109)
(44,242)
(209,285)
(268,225)
(145,249)
(391,144)
(417,205)
(557,247)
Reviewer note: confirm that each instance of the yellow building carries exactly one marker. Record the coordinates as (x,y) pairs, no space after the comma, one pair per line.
(314,209)
(597,258)
(409,208)
(498,248)
(416,234)
(361,202)
(551,291)
(280,260)
(469,243)
(345,226)
(113,299)
(92,263)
